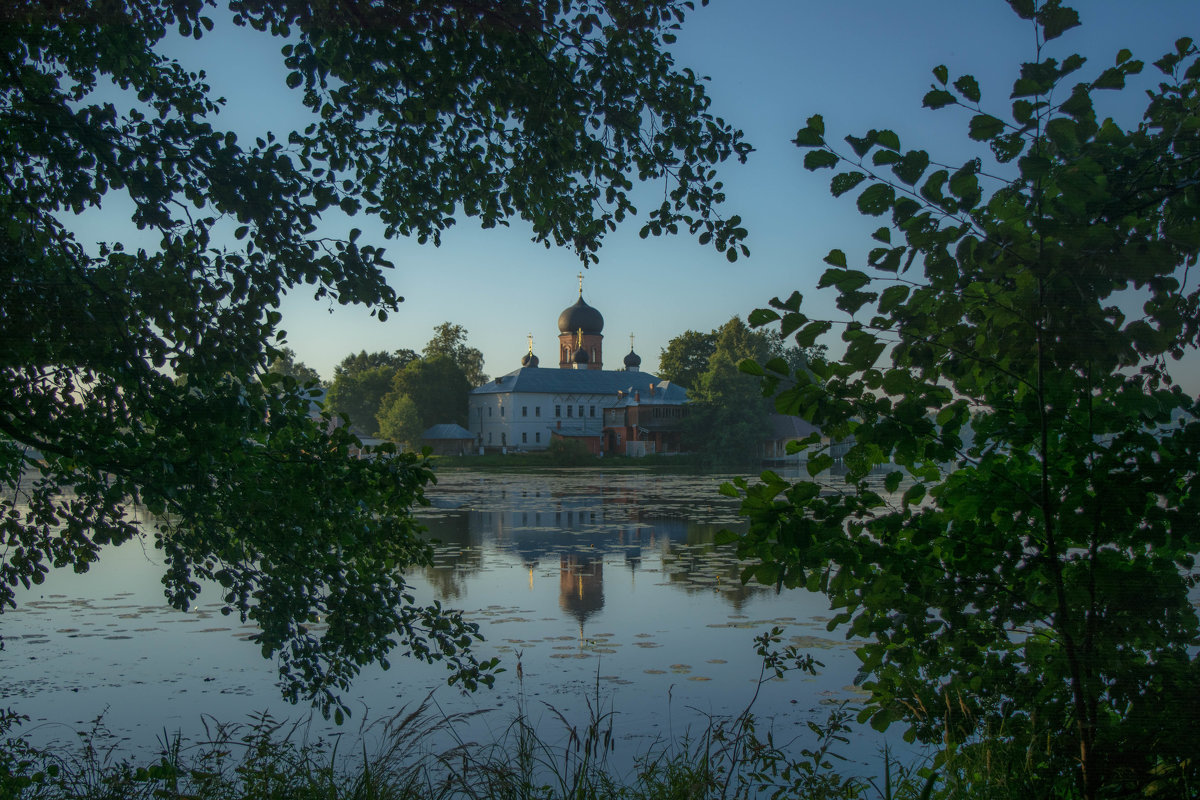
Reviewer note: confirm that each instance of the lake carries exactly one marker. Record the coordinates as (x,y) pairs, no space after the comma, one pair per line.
(604,583)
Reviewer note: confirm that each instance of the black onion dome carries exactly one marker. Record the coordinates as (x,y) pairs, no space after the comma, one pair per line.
(580,357)
(633,359)
(578,316)
(529,360)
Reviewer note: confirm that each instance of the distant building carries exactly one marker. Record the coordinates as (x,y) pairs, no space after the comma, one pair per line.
(646,420)
(528,407)
(784,429)
(448,439)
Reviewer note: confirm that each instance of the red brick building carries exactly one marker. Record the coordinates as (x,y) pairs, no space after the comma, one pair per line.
(645,421)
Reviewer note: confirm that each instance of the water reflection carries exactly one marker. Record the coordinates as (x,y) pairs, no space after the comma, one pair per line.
(600,578)
(578,522)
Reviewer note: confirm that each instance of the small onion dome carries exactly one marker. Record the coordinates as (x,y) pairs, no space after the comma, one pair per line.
(580,357)
(633,360)
(578,316)
(529,360)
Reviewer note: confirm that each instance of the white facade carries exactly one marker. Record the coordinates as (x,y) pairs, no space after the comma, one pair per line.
(523,409)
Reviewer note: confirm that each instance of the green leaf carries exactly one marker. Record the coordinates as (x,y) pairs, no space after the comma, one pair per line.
(941,74)
(892,297)
(819,463)
(1111,78)
(938,98)
(860,146)
(1062,132)
(844,182)
(910,168)
(751,367)
(886,138)
(1026,9)
(819,159)
(984,127)
(1034,167)
(761,316)
(835,258)
(876,199)
(813,134)
(968,87)
(808,335)
(1056,19)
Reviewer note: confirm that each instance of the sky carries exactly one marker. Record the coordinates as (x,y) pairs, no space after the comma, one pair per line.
(772,63)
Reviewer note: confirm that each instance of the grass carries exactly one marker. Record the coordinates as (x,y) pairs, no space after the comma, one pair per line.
(421,753)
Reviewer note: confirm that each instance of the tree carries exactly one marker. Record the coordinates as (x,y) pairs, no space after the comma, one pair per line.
(685,358)
(424,110)
(362,361)
(437,386)
(1024,576)
(400,422)
(285,363)
(358,395)
(360,382)
(450,340)
(727,417)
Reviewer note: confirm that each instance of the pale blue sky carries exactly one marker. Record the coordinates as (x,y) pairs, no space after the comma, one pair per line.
(860,63)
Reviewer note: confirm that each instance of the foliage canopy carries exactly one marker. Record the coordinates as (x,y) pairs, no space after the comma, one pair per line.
(127,375)
(1016,537)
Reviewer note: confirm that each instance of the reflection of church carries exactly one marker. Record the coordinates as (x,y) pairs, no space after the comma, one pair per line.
(581,584)
(623,411)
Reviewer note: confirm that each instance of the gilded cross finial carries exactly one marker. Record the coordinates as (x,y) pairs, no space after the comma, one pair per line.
(531,344)
(579,338)
(581,284)
(631,342)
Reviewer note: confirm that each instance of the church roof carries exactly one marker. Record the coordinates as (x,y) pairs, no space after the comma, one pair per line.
(580,316)
(584,381)
(651,391)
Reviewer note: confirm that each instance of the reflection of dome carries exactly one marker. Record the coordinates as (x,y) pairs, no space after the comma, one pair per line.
(529,360)
(580,357)
(581,584)
(632,360)
(578,316)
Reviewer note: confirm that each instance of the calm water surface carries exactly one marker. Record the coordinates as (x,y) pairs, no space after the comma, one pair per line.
(605,583)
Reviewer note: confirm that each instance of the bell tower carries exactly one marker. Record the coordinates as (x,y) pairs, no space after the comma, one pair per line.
(580,336)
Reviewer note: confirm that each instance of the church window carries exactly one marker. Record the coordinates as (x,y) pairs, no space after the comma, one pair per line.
(502,411)
(558,411)
(524,411)
(581,411)
(537,437)
(537,411)
(569,408)
(593,411)
(489,411)
(524,437)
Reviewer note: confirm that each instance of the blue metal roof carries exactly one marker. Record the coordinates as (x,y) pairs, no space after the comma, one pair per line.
(584,381)
(447,430)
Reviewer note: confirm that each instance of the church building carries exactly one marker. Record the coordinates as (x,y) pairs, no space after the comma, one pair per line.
(530,406)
